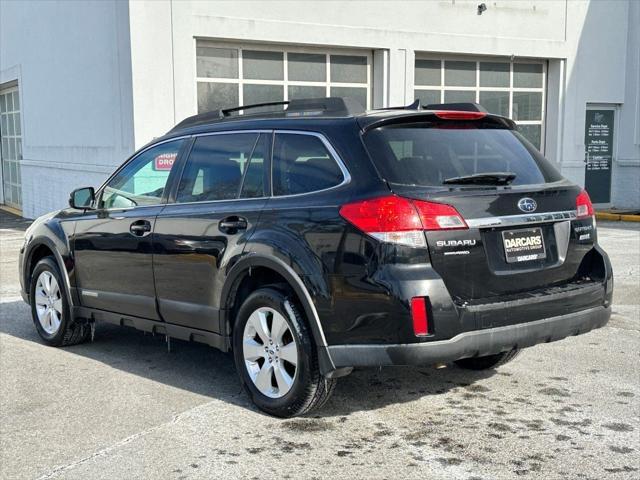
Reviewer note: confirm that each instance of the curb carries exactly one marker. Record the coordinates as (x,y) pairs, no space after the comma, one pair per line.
(617,217)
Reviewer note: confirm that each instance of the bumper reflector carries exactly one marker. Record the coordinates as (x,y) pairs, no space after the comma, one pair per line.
(419,316)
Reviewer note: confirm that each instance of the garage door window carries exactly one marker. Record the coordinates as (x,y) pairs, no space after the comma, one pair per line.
(512,89)
(229,76)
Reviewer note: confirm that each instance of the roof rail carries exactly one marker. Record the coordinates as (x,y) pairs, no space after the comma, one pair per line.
(300,107)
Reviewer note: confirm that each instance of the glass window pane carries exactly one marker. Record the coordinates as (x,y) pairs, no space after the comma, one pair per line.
(253,185)
(212,96)
(527,105)
(142,181)
(533,133)
(11,171)
(16,101)
(261,65)
(348,69)
(3,103)
(3,125)
(10,130)
(216,62)
(427,72)
(19,149)
(427,97)
(262,94)
(308,67)
(357,93)
(527,75)
(18,127)
(494,74)
(214,168)
(459,74)
(303,91)
(301,164)
(9,102)
(455,96)
(495,102)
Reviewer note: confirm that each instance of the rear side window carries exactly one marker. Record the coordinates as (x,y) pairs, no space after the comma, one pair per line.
(303,164)
(426,154)
(218,164)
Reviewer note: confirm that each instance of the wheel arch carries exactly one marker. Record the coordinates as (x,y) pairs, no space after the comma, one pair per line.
(40,248)
(244,268)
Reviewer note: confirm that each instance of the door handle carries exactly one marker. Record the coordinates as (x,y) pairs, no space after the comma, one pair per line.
(140,228)
(232,224)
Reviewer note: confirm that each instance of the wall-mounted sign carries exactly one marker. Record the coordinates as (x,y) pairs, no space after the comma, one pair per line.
(598,141)
(164,161)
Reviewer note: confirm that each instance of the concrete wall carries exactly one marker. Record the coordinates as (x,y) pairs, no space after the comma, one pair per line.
(72,63)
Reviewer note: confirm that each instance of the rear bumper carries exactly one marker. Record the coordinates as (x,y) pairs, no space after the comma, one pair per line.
(473,343)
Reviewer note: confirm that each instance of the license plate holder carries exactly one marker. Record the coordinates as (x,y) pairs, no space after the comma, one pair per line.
(523,245)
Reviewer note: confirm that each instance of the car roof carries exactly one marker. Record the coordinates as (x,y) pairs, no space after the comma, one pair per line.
(309,114)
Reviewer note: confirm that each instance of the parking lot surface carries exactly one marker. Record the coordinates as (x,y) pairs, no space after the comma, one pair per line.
(124,407)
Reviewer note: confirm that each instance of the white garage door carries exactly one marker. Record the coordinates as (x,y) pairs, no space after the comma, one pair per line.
(232,75)
(11,153)
(514,89)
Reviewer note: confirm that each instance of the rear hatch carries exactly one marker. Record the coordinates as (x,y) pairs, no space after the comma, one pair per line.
(521,228)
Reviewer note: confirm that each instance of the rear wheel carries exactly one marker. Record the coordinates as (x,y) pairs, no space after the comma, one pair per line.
(50,307)
(275,356)
(490,361)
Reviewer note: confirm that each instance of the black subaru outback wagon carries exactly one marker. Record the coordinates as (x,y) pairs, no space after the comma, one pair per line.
(311,237)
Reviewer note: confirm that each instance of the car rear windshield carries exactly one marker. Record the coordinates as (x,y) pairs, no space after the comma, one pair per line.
(428,153)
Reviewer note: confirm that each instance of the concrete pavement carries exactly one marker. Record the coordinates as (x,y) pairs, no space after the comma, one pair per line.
(122,407)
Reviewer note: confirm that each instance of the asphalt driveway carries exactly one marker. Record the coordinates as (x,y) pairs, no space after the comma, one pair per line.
(124,407)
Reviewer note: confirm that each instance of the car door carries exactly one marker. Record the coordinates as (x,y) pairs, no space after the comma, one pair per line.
(112,244)
(217,204)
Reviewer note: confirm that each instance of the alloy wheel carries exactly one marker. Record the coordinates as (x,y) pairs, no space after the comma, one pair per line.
(48,300)
(270,352)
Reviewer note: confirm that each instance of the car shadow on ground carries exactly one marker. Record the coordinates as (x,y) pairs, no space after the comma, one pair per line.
(206,371)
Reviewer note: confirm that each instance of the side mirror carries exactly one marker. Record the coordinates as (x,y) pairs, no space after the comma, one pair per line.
(82,198)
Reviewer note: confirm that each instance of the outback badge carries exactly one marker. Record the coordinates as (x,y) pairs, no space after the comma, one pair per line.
(527,205)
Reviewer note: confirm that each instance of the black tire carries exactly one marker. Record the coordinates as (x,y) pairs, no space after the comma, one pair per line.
(310,390)
(488,362)
(68,333)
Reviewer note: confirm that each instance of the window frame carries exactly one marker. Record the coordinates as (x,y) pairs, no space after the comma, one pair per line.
(173,194)
(240,81)
(346,176)
(477,59)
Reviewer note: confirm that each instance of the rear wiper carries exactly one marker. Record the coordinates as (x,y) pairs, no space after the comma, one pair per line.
(488,178)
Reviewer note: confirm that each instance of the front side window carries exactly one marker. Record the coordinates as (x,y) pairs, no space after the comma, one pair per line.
(143,180)
(221,166)
(302,164)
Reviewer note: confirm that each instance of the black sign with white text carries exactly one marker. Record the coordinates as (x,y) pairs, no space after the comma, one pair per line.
(598,140)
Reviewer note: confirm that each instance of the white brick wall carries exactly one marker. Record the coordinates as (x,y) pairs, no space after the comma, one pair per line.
(46,189)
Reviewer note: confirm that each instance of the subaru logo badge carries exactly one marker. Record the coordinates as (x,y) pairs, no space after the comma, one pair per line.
(527,205)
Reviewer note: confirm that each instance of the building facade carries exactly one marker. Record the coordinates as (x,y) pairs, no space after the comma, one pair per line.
(84,84)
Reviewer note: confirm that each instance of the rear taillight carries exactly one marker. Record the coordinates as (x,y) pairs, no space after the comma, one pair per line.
(419,316)
(400,220)
(584,207)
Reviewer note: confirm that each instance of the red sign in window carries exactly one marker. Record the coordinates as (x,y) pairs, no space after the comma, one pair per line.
(164,161)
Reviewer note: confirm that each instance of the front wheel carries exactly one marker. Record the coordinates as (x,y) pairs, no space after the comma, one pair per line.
(488,362)
(276,357)
(50,307)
